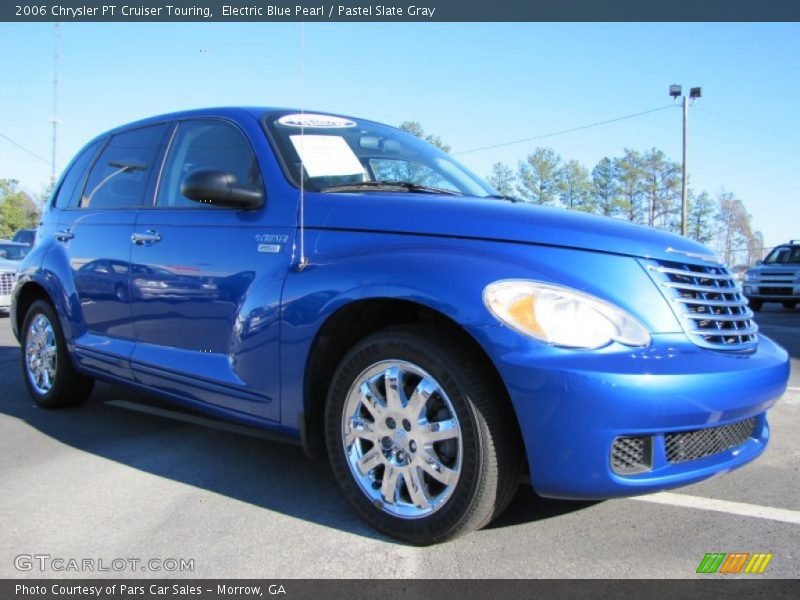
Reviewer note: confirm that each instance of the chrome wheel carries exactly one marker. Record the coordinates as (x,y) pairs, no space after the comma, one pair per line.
(41,354)
(402,439)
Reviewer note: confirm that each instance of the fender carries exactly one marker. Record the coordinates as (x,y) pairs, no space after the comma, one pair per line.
(32,272)
(445,275)
(55,276)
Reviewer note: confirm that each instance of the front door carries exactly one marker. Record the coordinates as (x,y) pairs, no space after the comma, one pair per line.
(205,292)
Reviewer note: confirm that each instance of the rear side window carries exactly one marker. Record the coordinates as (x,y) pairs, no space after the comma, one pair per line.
(120,176)
(67,195)
(205,144)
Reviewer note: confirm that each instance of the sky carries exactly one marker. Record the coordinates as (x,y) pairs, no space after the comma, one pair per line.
(472,84)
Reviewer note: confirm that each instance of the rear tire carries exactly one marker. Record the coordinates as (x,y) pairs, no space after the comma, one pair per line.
(755,305)
(789,304)
(436,456)
(50,377)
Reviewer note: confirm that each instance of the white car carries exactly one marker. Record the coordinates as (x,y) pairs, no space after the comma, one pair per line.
(11,253)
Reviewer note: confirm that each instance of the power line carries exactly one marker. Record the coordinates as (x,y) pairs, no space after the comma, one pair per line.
(571,130)
(24,149)
(749,125)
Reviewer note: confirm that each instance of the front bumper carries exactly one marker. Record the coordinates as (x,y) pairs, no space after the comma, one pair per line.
(771,292)
(572,405)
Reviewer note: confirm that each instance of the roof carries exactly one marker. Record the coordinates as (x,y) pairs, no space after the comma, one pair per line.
(220,111)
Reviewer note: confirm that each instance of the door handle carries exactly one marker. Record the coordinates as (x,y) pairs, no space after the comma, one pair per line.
(144,239)
(64,235)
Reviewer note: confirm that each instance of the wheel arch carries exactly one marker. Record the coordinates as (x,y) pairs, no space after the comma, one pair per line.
(356,320)
(28,293)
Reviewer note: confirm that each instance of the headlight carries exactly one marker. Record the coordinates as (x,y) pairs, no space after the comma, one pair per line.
(561,316)
(751,276)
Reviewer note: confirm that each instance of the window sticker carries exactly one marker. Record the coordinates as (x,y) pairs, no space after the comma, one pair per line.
(318,121)
(326,155)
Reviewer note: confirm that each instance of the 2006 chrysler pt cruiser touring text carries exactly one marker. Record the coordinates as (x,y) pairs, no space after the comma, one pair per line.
(346,285)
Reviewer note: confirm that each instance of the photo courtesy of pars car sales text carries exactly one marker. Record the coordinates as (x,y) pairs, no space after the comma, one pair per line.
(153,590)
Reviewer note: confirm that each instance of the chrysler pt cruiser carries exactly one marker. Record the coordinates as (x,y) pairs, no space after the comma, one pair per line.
(346,285)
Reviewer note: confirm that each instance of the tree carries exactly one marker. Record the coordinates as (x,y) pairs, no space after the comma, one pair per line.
(702,226)
(606,188)
(755,247)
(401,170)
(538,177)
(502,179)
(661,188)
(575,187)
(17,209)
(415,128)
(734,224)
(630,175)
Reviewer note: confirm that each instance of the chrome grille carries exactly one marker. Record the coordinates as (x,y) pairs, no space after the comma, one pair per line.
(7,281)
(709,304)
(691,445)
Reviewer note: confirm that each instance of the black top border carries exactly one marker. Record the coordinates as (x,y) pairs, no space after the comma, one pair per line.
(400,10)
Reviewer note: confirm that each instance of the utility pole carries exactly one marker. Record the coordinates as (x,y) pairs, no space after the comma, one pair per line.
(56,58)
(675,91)
(684,179)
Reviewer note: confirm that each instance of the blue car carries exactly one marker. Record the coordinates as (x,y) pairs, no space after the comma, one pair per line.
(351,288)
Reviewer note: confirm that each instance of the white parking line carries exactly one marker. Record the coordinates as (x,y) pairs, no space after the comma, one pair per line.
(725,506)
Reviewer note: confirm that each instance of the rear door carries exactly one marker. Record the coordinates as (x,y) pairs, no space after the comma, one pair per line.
(205,289)
(95,232)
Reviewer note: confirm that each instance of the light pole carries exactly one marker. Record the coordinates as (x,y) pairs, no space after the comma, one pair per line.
(675,92)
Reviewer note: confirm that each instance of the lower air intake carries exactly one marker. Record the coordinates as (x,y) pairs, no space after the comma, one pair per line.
(691,445)
(631,455)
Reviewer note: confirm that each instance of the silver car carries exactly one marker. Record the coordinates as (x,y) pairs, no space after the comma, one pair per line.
(11,253)
(776,278)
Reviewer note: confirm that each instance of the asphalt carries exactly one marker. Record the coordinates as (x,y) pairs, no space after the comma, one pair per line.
(108,481)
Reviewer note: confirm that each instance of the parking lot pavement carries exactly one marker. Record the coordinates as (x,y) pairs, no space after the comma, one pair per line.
(105,482)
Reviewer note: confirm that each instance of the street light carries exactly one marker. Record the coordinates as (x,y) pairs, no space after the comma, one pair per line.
(675,92)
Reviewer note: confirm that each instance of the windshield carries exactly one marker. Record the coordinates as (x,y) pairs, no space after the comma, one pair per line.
(343,154)
(784,255)
(13,252)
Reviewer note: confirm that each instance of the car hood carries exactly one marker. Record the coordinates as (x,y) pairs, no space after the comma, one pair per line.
(490,219)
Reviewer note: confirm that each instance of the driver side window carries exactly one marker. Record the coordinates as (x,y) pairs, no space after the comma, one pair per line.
(205,144)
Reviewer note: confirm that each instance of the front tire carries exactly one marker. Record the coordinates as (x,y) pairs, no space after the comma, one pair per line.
(789,304)
(755,305)
(47,370)
(420,435)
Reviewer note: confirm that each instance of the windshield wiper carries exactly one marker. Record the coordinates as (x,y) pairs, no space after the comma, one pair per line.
(388,186)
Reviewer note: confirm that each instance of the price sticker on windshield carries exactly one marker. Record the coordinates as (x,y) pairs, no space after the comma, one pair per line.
(326,155)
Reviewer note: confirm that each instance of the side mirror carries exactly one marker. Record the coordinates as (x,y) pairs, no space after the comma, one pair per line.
(759,262)
(220,188)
